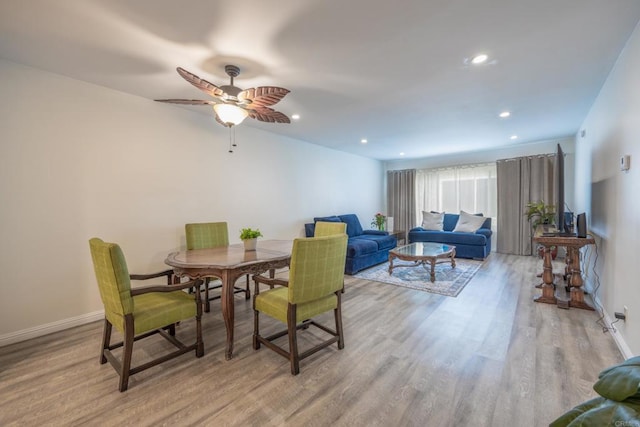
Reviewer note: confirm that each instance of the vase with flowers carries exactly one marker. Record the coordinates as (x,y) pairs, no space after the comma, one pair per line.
(379,221)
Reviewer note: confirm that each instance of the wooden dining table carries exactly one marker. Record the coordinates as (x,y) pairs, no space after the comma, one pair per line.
(229,263)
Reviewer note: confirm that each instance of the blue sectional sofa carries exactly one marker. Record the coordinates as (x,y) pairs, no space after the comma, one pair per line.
(365,248)
(468,245)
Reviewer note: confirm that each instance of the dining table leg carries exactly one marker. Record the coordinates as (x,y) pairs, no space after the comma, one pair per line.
(228,280)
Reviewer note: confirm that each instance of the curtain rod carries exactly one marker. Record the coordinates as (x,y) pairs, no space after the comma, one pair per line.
(466,166)
(537,156)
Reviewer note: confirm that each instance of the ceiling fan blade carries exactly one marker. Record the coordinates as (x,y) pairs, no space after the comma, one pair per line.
(186,101)
(262,96)
(201,84)
(270,115)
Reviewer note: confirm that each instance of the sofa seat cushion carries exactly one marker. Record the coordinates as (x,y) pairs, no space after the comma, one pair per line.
(357,247)
(450,237)
(383,241)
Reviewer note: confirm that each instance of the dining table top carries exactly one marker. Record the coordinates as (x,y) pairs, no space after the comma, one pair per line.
(231,256)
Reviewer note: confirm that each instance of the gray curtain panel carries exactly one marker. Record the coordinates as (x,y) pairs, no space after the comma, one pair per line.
(401,198)
(520,181)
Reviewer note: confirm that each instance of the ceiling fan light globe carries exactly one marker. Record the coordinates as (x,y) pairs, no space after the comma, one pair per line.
(229,113)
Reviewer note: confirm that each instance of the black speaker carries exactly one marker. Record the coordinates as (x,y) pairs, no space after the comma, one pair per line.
(582,225)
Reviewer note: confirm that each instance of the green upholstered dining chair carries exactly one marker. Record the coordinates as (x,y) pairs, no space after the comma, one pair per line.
(316,277)
(323,228)
(140,312)
(206,235)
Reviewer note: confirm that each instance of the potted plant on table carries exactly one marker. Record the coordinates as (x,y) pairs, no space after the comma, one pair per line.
(539,213)
(249,237)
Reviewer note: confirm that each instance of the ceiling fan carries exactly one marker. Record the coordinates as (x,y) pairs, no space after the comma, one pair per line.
(232,104)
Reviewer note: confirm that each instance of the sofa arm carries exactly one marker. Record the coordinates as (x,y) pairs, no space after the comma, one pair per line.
(376,232)
(417,229)
(485,232)
(309,229)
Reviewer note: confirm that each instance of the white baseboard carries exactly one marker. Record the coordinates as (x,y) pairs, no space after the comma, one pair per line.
(60,325)
(617,337)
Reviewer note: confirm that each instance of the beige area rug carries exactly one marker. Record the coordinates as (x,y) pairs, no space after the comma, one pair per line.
(449,281)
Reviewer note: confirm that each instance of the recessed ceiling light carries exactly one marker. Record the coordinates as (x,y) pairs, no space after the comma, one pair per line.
(504,114)
(295,116)
(363,141)
(402,154)
(479,59)
(513,137)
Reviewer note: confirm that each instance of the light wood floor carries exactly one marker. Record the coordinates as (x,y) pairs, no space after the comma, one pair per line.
(490,357)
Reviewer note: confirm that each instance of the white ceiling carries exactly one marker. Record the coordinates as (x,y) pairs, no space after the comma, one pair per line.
(393,72)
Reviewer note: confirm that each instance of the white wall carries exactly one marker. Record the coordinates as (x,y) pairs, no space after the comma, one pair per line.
(609,196)
(79,160)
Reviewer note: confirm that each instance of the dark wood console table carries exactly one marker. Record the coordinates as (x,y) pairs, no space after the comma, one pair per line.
(572,274)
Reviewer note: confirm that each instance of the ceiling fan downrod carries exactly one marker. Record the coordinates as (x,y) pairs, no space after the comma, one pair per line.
(232,71)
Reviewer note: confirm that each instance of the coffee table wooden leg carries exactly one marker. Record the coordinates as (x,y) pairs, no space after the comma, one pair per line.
(391,258)
(433,270)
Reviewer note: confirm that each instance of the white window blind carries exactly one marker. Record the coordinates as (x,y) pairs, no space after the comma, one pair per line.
(471,188)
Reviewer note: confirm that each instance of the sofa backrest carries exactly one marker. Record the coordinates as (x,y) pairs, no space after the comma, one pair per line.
(353,224)
(450,221)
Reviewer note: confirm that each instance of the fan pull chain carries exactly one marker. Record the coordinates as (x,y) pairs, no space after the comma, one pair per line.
(231,139)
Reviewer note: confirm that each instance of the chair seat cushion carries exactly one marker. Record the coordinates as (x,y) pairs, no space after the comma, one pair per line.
(274,303)
(159,309)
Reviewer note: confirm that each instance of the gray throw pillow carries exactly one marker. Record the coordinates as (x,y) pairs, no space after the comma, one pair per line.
(468,223)
(432,220)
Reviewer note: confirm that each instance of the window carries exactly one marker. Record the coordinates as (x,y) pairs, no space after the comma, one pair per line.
(471,188)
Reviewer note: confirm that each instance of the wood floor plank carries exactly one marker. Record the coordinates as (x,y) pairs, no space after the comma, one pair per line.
(489,357)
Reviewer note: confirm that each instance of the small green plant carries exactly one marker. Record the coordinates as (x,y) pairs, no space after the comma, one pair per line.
(249,233)
(540,213)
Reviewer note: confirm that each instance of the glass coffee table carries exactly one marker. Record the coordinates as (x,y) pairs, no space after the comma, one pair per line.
(424,254)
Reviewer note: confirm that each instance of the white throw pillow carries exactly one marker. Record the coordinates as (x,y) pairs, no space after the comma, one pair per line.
(432,221)
(468,223)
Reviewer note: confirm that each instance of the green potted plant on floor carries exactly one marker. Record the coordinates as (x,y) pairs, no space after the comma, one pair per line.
(249,237)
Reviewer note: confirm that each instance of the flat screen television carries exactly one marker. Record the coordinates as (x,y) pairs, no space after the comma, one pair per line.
(564,222)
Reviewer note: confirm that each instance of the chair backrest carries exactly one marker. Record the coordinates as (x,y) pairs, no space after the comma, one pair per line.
(329,228)
(317,267)
(206,235)
(112,276)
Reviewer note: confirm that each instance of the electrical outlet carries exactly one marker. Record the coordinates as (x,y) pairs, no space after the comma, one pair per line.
(626,313)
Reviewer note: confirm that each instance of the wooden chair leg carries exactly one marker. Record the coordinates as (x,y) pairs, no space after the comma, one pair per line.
(127,351)
(256,330)
(106,340)
(172,329)
(247,292)
(293,340)
(338,315)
